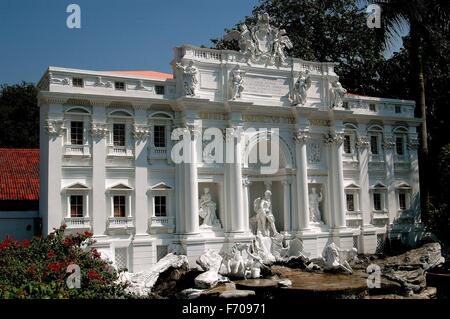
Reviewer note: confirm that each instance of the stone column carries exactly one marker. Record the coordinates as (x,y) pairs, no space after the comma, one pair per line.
(302,204)
(246,197)
(191,183)
(287,205)
(413,145)
(99,133)
(389,159)
(235,178)
(141,132)
(52,130)
(364,198)
(368,238)
(335,144)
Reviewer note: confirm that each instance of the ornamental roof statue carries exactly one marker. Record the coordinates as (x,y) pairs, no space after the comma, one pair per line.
(261,42)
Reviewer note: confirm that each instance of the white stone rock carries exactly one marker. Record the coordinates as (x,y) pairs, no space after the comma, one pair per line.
(210,260)
(208,279)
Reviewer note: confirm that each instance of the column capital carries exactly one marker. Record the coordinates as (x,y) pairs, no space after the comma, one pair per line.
(334,138)
(246,182)
(99,130)
(388,142)
(413,143)
(301,136)
(362,142)
(141,132)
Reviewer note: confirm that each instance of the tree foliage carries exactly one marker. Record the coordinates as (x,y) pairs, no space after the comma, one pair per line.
(19,116)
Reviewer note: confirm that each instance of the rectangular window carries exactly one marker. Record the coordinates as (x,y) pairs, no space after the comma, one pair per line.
(120,86)
(372,107)
(402,201)
(76,133)
(374,144)
(119,134)
(350,203)
(159,136)
(160,206)
(377,201)
(159,89)
(398,109)
(76,206)
(347,144)
(77,82)
(119,206)
(399,145)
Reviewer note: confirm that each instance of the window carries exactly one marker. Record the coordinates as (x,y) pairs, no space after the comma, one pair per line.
(399,145)
(159,137)
(119,206)
(398,109)
(374,144)
(350,202)
(347,144)
(119,134)
(376,201)
(76,206)
(76,133)
(159,89)
(372,107)
(402,201)
(77,82)
(120,86)
(160,206)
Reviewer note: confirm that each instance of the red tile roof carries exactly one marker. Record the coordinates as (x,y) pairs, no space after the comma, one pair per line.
(145,73)
(19,174)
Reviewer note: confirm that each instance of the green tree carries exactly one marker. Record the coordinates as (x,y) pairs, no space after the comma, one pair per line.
(421,17)
(19,116)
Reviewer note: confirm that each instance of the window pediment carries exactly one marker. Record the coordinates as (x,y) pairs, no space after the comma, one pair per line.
(120,187)
(161,186)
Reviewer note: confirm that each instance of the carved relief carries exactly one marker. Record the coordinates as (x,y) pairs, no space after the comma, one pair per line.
(54,127)
(334,138)
(189,78)
(262,42)
(141,131)
(101,83)
(99,130)
(301,136)
(64,81)
(362,142)
(314,151)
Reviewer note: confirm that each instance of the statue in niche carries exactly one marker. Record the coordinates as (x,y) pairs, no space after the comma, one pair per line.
(300,88)
(189,78)
(281,42)
(237,82)
(207,210)
(265,218)
(337,93)
(315,199)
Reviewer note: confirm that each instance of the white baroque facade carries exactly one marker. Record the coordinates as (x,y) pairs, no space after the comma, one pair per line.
(106,164)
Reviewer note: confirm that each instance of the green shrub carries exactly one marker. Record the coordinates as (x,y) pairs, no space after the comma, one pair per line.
(38,268)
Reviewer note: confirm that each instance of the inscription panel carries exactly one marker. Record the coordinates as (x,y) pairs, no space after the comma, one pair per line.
(266,86)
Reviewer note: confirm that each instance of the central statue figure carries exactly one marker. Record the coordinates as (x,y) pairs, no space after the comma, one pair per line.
(263,210)
(207,209)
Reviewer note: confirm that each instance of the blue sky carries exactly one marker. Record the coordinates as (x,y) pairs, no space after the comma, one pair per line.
(114,34)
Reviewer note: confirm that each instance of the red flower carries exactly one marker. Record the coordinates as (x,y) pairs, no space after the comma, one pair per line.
(93,275)
(88,234)
(54,267)
(31,270)
(25,243)
(95,253)
(51,254)
(68,242)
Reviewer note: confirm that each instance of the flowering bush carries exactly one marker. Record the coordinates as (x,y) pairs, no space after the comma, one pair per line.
(39,268)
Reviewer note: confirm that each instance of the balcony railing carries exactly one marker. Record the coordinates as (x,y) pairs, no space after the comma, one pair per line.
(120,222)
(77,222)
(76,150)
(120,151)
(162,221)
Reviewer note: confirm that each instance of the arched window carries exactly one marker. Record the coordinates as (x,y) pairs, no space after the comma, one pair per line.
(350,142)
(375,134)
(400,139)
